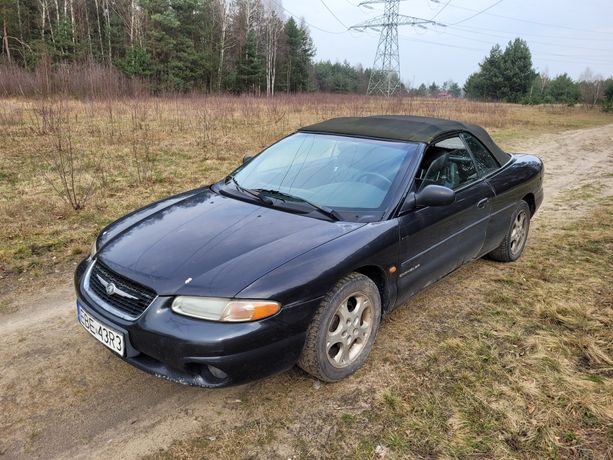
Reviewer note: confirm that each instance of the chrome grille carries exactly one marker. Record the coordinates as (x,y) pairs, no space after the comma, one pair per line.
(129,297)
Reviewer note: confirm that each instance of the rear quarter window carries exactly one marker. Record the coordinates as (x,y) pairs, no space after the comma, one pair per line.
(486,163)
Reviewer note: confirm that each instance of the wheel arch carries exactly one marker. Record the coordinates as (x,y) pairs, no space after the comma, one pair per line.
(382,281)
(529,198)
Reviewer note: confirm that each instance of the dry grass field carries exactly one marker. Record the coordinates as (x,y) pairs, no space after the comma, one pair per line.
(117,155)
(495,361)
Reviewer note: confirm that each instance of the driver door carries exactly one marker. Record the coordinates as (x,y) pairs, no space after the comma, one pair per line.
(435,240)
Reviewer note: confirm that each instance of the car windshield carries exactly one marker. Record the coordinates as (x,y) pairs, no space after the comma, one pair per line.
(328,170)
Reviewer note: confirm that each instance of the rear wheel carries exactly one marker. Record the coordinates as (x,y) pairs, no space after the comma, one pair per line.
(343,330)
(514,242)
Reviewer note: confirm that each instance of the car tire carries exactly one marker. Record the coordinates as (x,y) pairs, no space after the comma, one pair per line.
(343,329)
(514,241)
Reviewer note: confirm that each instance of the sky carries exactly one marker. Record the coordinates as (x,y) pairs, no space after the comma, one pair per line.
(563,35)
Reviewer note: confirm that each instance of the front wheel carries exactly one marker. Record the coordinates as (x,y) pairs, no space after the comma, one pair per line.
(343,329)
(513,244)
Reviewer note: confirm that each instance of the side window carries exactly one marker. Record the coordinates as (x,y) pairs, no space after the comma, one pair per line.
(447,163)
(486,163)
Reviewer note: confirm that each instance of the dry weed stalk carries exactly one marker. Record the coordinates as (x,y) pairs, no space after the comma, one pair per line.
(140,140)
(70,172)
(204,118)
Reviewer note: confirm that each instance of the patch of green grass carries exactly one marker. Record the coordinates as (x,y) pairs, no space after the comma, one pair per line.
(551,364)
(506,281)
(595,378)
(593,246)
(570,437)
(365,449)
(8,177)
(398,442)
(7,306)
(392,400)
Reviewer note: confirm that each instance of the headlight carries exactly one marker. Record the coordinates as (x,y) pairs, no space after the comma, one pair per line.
(94,249)
(227,310)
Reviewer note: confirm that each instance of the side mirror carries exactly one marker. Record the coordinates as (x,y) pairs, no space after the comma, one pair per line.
(247,159)
(435,195)
(431,195)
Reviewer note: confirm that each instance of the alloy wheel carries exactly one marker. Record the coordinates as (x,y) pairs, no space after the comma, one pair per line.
(519,232)
(349,330)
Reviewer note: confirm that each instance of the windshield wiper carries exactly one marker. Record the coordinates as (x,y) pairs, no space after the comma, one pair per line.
(248,191)
(329,212)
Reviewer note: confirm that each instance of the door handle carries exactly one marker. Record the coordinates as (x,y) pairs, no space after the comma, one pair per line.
(481,204)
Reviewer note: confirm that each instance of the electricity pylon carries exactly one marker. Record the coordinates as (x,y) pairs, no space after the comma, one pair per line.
(385,76)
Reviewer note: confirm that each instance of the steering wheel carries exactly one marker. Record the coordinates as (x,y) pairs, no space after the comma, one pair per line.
(380,178)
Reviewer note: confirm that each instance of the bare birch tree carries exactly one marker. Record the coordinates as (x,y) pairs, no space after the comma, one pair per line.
(72,21)
(273,29)
(224,17)
(99,27)
(107,16)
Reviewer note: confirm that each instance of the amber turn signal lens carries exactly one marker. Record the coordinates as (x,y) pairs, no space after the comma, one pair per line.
(218,309)
(241,310)
(265,310)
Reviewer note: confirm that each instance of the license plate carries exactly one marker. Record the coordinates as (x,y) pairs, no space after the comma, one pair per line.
(108,336)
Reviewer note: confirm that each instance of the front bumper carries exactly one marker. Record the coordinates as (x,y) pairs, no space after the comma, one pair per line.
(182,349)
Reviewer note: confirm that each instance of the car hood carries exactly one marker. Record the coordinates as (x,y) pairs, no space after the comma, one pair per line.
(209,244)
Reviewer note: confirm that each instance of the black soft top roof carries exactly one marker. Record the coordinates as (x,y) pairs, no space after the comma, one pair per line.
(405,128)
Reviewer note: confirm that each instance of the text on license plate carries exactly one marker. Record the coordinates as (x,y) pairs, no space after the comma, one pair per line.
(108,336)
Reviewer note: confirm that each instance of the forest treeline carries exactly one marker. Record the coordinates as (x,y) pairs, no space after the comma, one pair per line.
(98,47)
(172,45)
(508,75)
(236,46)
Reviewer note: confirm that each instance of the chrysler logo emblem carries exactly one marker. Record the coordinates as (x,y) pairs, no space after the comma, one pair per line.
(110,289)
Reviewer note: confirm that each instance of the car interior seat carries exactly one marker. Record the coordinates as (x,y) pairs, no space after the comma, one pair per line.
(434,170)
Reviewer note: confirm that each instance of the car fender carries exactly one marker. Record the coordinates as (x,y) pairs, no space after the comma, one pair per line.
(315,272)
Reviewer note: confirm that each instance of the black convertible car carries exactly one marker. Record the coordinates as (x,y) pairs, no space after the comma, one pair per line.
(297,254)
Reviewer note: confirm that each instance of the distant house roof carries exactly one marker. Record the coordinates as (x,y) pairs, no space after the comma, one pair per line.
(404,128)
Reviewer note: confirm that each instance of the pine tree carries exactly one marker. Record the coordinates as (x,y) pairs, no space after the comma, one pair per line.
(516,70)
(292,56)
(250,70)
(563,89)
(503,75)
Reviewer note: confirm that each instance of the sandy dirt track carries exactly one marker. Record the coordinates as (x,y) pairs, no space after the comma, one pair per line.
(62,395)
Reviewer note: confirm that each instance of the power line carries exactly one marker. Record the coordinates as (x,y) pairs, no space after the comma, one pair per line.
(477,13)
(479,31)
(355,6)
(435,6)
(380,24)
(385,75)
(568,61)
(441,10)
(445,45)
(301,18)
(538,56)
(527,21)
(332,13)
(557,45)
